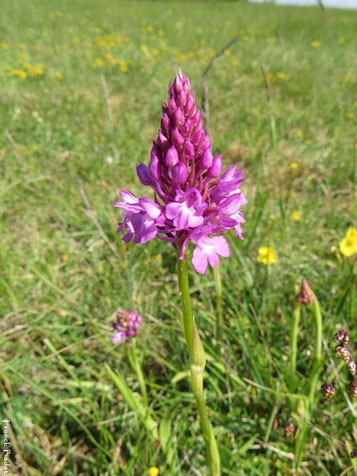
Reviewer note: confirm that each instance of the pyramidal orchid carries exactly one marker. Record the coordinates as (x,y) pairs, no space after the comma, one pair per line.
(192,201)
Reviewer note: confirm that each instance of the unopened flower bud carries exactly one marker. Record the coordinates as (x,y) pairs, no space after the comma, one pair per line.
(178,83)
(288,428)
(179,173)
(162,141)
(190,105)
(306,295)
(327,390)
(172,105)
(188,150)
(351,364)
(181,99)
(343,352)
(206,159)
(166,125)
(296,431)
(171,157)
(143,174)
(154,167)
(197,138)
(186,128)
(179,118)
(176,138)
(196,120)
(342,337)
(216,167)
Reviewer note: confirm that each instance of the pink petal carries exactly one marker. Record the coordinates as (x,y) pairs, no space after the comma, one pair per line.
(199,260)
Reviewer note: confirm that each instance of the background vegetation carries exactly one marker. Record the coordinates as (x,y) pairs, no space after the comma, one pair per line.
(64,270)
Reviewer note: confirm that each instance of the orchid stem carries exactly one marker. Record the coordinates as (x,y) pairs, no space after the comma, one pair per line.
(293,340)
(139,373)
(197,360)
(219,314)
(315,373)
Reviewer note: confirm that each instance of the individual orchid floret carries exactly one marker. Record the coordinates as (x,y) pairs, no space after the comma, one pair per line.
(126,326)
(208,250)
(190,198)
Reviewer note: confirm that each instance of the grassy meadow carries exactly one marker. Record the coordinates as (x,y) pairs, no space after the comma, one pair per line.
(69,141)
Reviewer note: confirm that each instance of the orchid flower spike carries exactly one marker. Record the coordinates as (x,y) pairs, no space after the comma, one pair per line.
(192,204)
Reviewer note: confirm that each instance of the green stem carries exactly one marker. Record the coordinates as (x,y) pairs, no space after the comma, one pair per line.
(220,324)
(197,365)
(139,373)
(293,339)
(318,326)
(315,373)
(185,301)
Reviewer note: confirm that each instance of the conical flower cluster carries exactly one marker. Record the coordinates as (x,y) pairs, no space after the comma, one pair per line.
(193,203)
(126,326)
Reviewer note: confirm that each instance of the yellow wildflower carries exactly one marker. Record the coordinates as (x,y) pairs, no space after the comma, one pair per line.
(160,33)
(315,44)
(58,75)
(338,132)
(349,115)
(295,215)
(35,147)
(341,40)
(123,66)
(155,52)
(348,246)
(18,73)
(99,62)
(294,165)
(298,133)
(350,78)
(178,25)
(4,45)
(266,255)
(280,75)
(169,11)
(153,471)
(110,58)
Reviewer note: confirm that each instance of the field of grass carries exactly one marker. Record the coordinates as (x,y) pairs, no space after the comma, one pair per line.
(64,270)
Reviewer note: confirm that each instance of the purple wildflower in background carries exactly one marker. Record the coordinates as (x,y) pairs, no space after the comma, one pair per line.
(191,202)
(126,325)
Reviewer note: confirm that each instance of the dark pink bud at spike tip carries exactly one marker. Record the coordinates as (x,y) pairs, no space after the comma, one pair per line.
(192,201)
